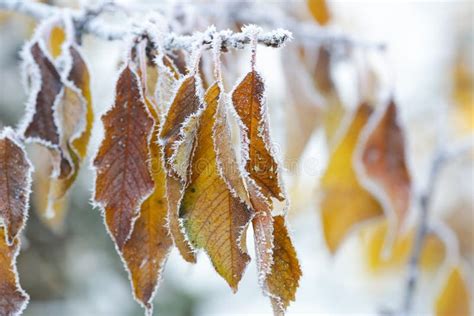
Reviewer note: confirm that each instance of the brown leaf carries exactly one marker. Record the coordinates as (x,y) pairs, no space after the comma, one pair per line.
(12,297)
(76,116)
(123,178)
(185,103)
(344,201)
(177,136)
(384,162)
(261,165)
(71,112)
(146,251)
(285,274)
(215,219)
(42,126)
(15,182)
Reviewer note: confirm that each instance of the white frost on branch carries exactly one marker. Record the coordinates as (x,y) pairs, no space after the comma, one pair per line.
(85,20)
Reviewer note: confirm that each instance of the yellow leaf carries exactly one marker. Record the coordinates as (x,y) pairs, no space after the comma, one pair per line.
(463,94)
(320,11)
(12,297)
(374,237)
(215,219)
(455,297)
(344,202)
(57,36)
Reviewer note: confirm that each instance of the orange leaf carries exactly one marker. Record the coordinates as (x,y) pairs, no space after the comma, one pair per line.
(283,280)
(123,178)
(455,297)
(344,202)
(215,219)
(12,297)
(15,181)
(384,163)
(275,254)
(57,36)
(261,165)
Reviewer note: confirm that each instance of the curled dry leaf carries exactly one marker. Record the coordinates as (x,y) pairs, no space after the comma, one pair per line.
(334,110)
(214,217)
(123,177)
(344,201)
(15,181)
(384,163)
(304,107)
(42,125)
(177,136)
(12,297)
(51,214)
(374,236)
(62,114)
(146,251)
(455,297)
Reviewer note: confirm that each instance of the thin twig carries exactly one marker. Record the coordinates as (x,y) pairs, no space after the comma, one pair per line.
(308,33)
(86,22)
(439,161)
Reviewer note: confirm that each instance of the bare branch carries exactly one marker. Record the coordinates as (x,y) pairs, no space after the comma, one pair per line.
(441,158)
(85,22)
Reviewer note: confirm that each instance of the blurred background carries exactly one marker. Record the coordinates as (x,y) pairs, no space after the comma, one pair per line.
(427,65)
